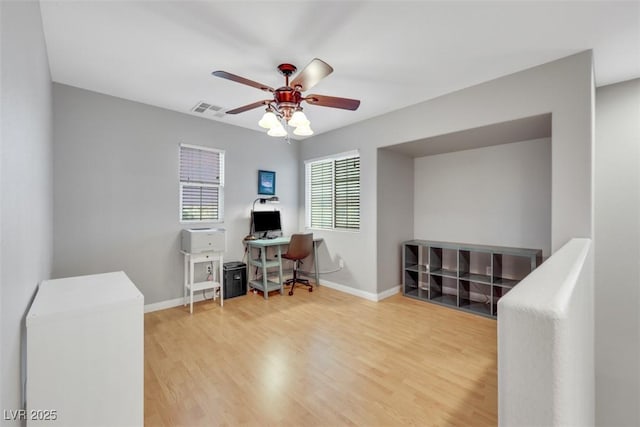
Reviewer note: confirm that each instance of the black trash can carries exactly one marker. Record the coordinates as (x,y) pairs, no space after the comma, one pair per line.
(235,279)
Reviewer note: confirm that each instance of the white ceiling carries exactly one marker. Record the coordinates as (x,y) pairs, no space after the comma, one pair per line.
(388,54)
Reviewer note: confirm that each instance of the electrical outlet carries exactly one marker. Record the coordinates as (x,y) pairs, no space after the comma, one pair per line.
(341,263)
(209,269)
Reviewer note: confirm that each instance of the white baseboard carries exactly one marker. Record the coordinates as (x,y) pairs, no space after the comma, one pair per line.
(360,293)
(163,305)
(389,292)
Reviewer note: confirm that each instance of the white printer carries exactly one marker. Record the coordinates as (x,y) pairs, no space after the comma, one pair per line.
(197,240)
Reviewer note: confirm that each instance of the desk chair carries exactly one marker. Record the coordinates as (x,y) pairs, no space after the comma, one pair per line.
(300,247)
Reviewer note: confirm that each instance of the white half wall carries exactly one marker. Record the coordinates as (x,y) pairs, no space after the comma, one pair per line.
(26,196)
(498,195)
(545,343)
(117,187)
(617,254)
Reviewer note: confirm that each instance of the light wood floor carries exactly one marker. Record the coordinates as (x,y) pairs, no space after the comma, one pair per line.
(323,358)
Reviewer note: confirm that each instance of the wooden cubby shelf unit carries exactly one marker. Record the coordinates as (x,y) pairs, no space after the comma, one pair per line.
(464,276)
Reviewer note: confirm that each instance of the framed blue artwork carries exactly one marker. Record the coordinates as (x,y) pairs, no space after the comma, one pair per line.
(266,183)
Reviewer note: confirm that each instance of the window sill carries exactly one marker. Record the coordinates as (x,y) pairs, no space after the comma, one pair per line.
(340,230)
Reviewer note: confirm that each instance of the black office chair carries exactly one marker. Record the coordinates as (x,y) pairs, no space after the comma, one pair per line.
(300,247)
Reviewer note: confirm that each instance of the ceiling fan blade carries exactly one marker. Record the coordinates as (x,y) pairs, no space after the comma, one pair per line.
(238,79)
(315,71)
(332,101)
(249,107)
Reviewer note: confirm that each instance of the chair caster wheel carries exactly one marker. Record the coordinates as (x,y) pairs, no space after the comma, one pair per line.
(290,292)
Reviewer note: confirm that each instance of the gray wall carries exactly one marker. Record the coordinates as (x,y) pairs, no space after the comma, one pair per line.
(395,221)
(499,195)
(117,189)
(356,249)
(25,178)
(563,87)
(617,254)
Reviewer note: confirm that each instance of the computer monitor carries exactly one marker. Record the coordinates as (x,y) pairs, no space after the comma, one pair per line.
(266,221)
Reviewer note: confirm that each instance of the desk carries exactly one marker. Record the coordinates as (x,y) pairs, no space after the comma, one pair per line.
(266,285)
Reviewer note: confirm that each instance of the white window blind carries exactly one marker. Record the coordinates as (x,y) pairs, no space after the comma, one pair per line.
(321,195)
(201,183)
(347,193)
(333,193)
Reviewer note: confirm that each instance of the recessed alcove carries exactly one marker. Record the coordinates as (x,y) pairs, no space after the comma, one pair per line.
(485,185)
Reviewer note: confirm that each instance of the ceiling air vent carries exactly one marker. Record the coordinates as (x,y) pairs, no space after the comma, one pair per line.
(202,107)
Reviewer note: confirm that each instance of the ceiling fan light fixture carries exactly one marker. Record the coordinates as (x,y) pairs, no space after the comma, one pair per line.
(283,106)
(269,120)
(303,131)
(299,119)
(277,130)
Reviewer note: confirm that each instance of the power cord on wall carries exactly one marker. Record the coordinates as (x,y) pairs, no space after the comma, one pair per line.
(340,267)
(309,273)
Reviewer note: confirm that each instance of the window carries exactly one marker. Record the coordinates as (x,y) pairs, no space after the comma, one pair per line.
(333,192)
(201,184)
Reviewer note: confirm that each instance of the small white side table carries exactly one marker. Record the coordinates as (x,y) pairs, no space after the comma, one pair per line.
(189,286)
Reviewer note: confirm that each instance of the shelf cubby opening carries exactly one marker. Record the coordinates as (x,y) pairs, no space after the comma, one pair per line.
(423,291)
(410,281)
(475,297)
(510,269)
(450,261)
(464,258)
(475,266)
(446,299)
(444,262)
(435,287)
(447,290)
(424,280)
(411,255)
(423,286)
(412,292)
(498,292)
(435,258)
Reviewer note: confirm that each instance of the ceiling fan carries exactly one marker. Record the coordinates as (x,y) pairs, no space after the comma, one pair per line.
(284,105)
